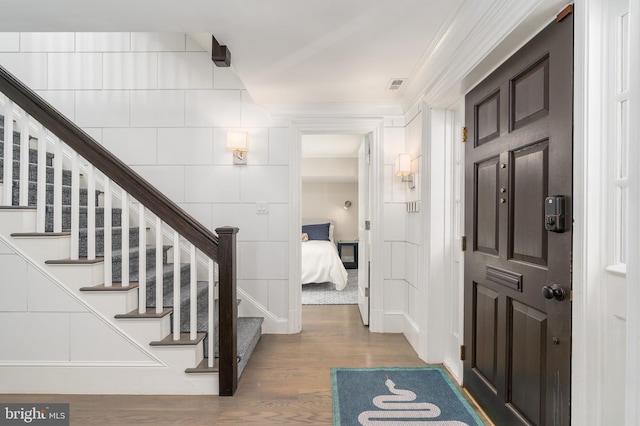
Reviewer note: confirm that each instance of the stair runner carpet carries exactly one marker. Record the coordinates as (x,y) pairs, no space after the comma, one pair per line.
(249,328)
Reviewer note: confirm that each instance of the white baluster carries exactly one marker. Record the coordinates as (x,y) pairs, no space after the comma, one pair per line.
(142,264)
(159,268)
(210,319)
(108,261)
(176,286)
(57,185)
(75,206)
(8,153)
(193,286)
(125,239)
(24,160)
(91,213)
(41,191)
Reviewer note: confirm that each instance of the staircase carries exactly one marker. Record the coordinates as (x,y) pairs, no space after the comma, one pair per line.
(112,232)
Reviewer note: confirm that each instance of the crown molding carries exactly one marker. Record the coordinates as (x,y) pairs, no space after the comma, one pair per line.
(502,27)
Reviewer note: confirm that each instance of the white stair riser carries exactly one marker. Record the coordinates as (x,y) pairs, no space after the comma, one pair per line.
(17,221)
(77,276)
(42,249)
(111,303)
(179,357)
(146,329)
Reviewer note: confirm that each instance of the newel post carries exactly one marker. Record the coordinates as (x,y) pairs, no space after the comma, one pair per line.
(228,314)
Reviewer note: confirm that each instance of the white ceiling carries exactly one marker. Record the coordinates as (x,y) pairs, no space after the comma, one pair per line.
(338,55)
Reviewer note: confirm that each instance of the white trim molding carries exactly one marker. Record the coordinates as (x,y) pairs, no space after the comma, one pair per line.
(632,386)
(434,320)
(589,116)
(330,125)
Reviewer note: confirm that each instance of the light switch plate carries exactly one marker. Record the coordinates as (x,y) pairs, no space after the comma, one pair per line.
(262,208)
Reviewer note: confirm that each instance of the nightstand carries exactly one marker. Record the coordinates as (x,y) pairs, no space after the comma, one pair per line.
(348,252)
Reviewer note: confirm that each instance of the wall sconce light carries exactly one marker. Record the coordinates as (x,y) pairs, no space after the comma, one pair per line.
(237,142)
(402,168)
(347,205)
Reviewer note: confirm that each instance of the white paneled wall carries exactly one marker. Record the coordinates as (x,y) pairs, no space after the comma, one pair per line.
(396,287)
(403,230)
(157,101)
(51,325)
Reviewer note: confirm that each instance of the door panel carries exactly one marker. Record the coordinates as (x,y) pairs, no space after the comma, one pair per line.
(520,121)
(530,94)
(488,119)
(528,189)
(485,333)
(486,228)
(528,336)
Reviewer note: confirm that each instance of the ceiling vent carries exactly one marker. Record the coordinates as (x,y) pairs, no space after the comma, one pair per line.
(396,83)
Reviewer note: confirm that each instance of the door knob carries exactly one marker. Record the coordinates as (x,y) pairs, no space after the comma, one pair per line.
(553,292)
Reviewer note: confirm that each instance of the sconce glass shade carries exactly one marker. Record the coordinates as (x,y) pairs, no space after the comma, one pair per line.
(237,141)
(402,166)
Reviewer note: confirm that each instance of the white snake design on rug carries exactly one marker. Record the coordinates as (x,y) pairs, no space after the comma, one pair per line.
(403,408)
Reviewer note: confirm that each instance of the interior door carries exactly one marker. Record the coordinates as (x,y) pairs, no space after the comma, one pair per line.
(518,273)
(364,234)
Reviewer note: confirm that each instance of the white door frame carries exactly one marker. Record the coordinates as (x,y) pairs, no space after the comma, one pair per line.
(590,139)
(374,127)
(364,207)
(633,268)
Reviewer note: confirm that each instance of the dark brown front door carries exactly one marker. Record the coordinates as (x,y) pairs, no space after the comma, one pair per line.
(517,319)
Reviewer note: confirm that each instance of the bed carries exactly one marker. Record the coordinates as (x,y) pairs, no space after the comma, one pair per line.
(320,260)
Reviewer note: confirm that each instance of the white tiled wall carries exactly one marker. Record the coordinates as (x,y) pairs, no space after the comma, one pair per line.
(157,101)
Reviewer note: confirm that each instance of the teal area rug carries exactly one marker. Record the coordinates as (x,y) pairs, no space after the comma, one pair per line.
(396,396)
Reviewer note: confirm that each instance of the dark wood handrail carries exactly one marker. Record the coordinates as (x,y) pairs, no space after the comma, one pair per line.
(170,213)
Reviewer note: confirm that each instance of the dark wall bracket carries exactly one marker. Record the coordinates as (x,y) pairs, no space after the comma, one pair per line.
(220,55)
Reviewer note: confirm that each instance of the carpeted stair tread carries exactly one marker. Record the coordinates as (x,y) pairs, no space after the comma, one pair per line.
(33,154)
(33,173)
(134,253)
(134,259)
(66,194)
(116,217)
(248,338)
(167,273)
(116,239)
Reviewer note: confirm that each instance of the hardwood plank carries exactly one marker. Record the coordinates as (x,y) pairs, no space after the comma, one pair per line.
(287,380)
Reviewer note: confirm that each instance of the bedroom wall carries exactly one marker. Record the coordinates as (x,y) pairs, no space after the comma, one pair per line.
(157,101)
(326,200)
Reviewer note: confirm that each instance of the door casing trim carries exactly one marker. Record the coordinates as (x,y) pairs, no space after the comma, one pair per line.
(374,127)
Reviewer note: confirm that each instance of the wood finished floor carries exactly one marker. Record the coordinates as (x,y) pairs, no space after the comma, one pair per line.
(287,380)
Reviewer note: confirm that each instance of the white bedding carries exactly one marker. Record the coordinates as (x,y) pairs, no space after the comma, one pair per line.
(320,264)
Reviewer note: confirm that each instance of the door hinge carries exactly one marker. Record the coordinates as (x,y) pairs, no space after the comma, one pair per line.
(463,352)
(464,134)
(463,243)
(366,292)
(571,295)
(367,225)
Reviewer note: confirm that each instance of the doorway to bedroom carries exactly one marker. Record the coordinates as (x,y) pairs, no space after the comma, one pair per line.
(333,212)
